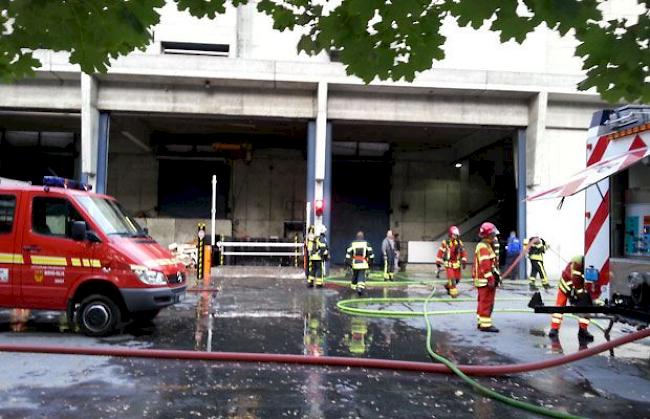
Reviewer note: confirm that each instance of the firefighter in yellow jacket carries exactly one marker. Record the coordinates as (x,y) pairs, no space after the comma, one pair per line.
(359,257)
(536,252)
(318,252)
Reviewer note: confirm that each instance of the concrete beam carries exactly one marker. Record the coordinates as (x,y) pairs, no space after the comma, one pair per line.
(537,110)
(428,108)
(206,100)
(42,94)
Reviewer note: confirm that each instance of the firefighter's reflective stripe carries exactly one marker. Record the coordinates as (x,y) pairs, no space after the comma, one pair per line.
(358,253)
(11,258)
(62,261)
(565,286)
(49,260)
(556,318)
(482,273)
(484,321)
(583,322)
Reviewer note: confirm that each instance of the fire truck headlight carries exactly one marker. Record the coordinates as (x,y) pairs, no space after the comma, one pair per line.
(150,277)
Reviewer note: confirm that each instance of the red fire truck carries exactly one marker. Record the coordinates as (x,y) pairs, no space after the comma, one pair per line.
(63,247)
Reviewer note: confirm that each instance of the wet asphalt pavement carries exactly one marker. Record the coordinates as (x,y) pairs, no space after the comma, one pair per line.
(282,316)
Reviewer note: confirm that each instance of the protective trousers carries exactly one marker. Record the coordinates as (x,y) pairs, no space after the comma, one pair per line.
(358,279)
(453,277)
(537,267)
(556,318)
(315,275)
(485,306)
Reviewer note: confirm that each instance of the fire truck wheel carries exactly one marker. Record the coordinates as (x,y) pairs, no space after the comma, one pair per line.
(98,315)
(144,316)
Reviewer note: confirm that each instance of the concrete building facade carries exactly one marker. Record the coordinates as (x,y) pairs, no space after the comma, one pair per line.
(470,138)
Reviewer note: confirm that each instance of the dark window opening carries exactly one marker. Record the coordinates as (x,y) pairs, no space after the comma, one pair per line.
(7,210)
(194,48)
(53,217)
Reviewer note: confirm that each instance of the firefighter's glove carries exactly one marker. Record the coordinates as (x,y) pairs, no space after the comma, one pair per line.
(464,264)
(439,266)
(598,302)
(582,299)
(573,296)
(497,278)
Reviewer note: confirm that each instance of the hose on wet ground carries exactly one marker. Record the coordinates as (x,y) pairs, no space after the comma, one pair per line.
(347,306)
(481,389)
(331,361)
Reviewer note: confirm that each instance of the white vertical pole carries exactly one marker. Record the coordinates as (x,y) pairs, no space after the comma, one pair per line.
(214,208)
(308,217)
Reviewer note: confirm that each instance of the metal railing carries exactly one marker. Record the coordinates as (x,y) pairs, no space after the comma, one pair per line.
(296,253)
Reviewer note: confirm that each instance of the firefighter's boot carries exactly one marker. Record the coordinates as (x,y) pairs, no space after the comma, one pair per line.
(553,334)
(532,286)
(453,292)
(546,286)
(585,336)
(310,282)
(319,282)
(489,329)
(360,288)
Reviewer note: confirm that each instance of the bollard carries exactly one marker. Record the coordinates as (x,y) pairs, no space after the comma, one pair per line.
(200,251)
(207,265)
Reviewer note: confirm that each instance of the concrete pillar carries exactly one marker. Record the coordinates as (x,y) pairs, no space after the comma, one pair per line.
(520,178)
(95,126)
(244,30)
(534,134)
(89,129)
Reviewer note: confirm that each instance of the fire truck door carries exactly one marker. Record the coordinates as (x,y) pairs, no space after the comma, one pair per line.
(9,257)
(53,260)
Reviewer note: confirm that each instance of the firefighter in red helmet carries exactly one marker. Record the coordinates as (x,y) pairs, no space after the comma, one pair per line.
(453,256)
(486,275)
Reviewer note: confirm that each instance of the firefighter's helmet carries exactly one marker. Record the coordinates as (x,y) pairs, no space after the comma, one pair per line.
(487,230)
(453,231)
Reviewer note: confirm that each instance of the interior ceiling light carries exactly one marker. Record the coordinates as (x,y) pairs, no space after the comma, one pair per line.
(458,165)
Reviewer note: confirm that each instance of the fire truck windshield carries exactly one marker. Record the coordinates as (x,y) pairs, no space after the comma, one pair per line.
(111,218)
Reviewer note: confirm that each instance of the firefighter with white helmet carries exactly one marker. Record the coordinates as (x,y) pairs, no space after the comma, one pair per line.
(318,252)
(453,256)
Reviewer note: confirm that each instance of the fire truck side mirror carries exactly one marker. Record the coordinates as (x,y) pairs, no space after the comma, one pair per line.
(78,231)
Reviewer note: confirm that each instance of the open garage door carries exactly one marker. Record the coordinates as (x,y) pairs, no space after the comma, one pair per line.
(418,180)
(260,166)
(360,202)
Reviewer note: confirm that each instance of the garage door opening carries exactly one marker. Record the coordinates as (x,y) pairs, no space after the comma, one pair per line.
(418,180)
(260,166)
